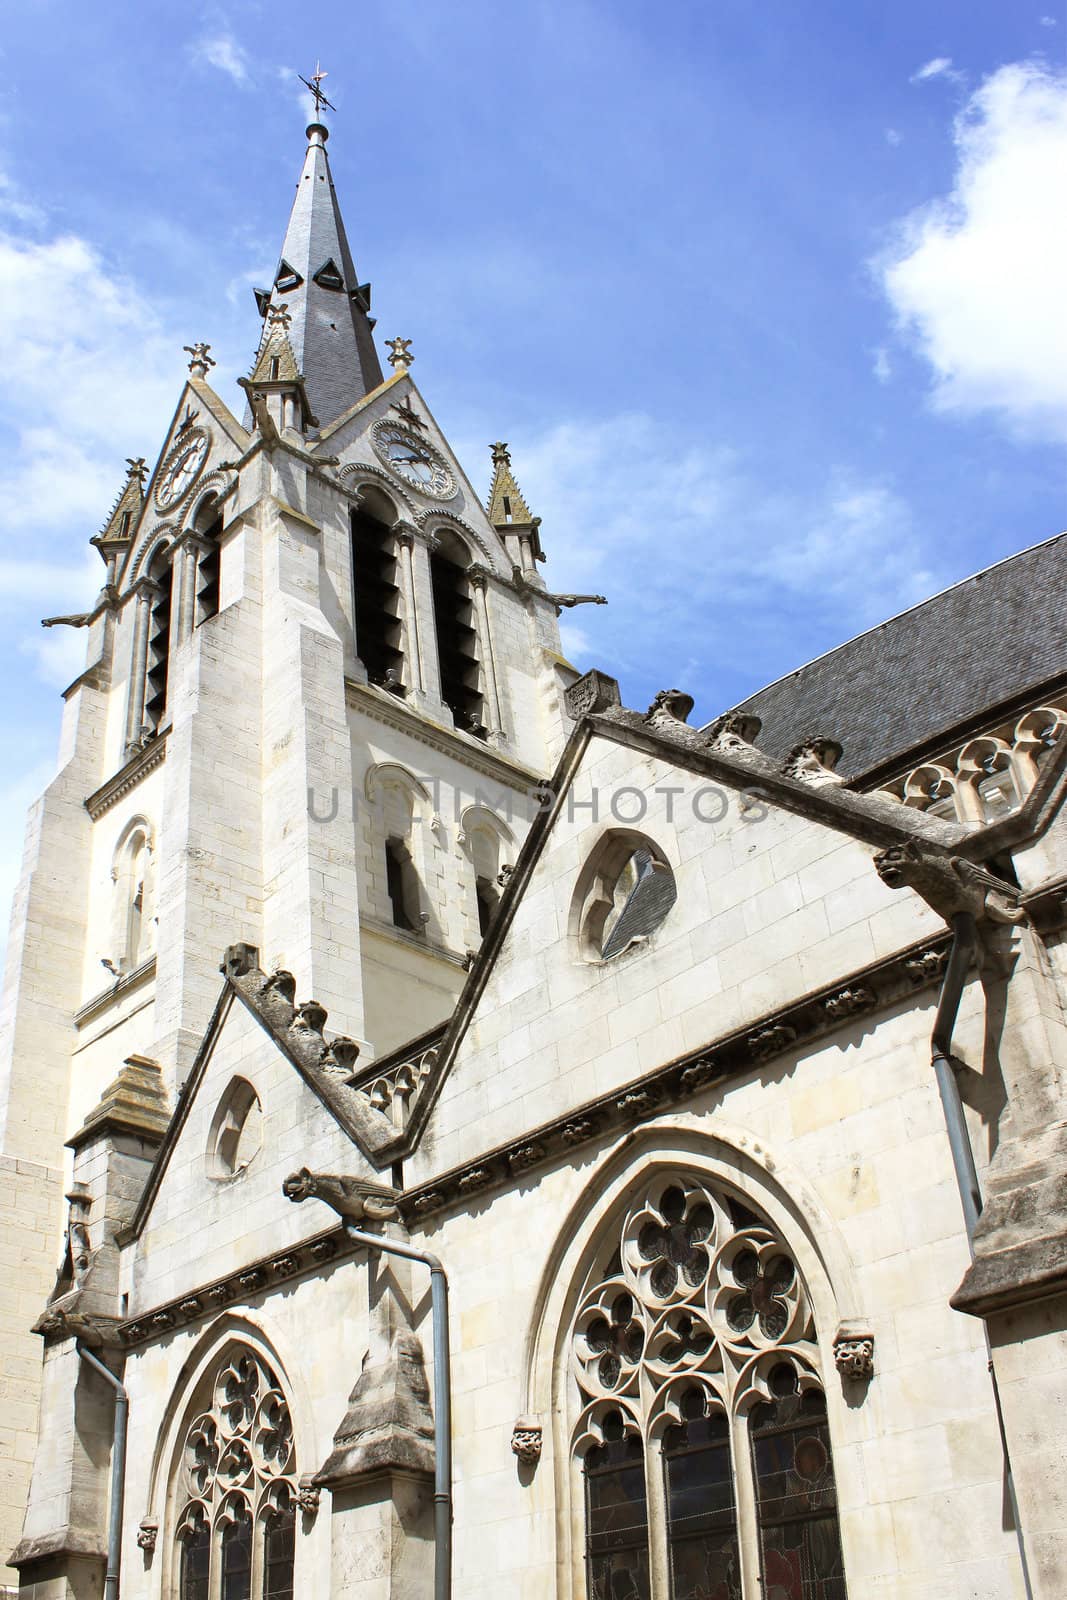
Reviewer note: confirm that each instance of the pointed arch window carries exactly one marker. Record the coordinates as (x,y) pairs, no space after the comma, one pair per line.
(702,1433)
(376,587)
(157,673)
(457,635)
(235,1488)
(209,560)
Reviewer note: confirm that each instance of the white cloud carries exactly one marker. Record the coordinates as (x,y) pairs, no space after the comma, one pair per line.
(881,368)
(221,50)
(976,278)
(892,137)
(939,67)
(685,540)
(1048,22)
(59,654)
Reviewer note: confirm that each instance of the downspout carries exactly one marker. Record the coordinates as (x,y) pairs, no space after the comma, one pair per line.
(442,1401)
(118,1472)
(964,941)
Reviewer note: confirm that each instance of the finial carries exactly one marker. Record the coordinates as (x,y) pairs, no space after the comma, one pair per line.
(501,458)
(400,356)
(201,361)
(137,468)
(279,317)
(314,83)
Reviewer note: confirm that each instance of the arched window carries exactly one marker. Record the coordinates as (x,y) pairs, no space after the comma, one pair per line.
(134,917)
(208,524)
(457,636)
(236,1132)
(624,892)
(235,1493)
(161,573)
(376,590)
(702,1431)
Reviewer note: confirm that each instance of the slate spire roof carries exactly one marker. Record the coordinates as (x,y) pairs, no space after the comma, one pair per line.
(330,326)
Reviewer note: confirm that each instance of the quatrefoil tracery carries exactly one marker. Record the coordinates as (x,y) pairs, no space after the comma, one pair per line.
(693,1286)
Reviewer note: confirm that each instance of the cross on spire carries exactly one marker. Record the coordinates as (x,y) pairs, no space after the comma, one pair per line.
(314,83)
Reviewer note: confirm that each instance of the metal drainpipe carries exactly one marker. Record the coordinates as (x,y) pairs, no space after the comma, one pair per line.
(118,1472)
(442,1401)
(964,940)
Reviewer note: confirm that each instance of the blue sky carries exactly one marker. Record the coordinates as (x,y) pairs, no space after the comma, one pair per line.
(765,299)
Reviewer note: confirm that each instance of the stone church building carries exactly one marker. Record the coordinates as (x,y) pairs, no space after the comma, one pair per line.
(463,1136)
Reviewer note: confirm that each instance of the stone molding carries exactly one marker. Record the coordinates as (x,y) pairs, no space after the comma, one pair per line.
(140,764)
(122,986)
(387,709)
(820,1013)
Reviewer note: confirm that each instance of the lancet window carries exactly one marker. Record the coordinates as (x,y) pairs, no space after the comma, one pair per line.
(161,573)
(457,635)
(236,1489)
(376,587)
(702,1432)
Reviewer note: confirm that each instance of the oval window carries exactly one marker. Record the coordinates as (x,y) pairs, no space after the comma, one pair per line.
(624,894)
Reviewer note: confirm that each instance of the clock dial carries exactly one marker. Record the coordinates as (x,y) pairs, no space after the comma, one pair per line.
(181,469)
(412,459)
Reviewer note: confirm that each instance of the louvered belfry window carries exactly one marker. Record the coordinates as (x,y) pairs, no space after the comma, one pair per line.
(379,632)
(696,1366)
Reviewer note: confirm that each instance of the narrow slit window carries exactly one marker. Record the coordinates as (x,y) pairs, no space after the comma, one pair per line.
(158,666)
(457,644)
(379,634)
(488,899)
(209,573)
(402,886)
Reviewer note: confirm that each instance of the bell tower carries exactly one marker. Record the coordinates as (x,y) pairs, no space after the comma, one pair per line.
(322,682)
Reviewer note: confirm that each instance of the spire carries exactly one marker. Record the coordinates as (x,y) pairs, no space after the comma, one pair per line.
(330,327)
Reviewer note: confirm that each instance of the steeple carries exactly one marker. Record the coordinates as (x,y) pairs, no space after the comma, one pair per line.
(511,516)
(330,327)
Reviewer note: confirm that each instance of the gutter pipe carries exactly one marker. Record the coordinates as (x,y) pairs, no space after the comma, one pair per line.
(118,1471)
(964,942)
(442,1400)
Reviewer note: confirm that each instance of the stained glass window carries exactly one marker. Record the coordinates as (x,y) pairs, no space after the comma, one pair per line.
(796,1493)
(616,1516)
(237,1484)
(693,1326)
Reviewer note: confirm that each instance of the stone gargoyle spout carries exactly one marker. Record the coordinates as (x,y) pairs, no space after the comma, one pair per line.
(352,1198)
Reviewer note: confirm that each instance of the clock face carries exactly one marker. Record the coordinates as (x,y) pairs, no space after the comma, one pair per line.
(412,459)
(181,469)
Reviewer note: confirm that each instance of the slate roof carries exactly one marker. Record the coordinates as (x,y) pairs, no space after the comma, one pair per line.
(331,331)
(930,671)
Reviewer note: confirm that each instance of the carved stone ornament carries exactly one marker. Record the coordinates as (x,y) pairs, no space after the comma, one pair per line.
(926,966)
(949,884)
(854,1354)
(307,1496)
(593,692)
(472,1182)
(526,1439)
(769,1041)
(813,761)
(849,1002)
(734,733)
(352,1198)
(527,1155)
(147,1534)
(669,708)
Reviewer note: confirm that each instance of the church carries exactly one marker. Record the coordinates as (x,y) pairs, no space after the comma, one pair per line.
(465,1136)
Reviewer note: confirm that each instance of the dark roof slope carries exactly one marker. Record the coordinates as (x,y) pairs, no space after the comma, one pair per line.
(930,671)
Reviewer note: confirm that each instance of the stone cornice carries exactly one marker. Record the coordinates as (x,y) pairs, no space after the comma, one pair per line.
(258,1276)
(383,707)
(863,993)
(127,777)
(106,998)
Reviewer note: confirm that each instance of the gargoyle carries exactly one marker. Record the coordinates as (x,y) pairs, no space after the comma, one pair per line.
(949,884)
(670,708)
(569,600)
(352,1198)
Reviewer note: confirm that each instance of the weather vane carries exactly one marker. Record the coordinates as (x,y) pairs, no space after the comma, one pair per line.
(314,83)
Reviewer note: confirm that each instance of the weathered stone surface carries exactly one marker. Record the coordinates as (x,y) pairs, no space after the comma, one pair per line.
(388,1424)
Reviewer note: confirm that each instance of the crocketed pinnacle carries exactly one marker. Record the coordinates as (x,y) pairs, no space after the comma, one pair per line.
(507,507)
(329,330)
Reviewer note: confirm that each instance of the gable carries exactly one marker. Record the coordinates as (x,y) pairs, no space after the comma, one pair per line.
(357,438)
(238,1214)
(204,428)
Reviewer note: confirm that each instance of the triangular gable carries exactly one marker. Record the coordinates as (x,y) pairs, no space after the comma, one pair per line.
(256,1023)
(394,402)
(198,410)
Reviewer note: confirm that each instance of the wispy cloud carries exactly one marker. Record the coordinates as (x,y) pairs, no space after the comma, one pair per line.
(975,278)
(939,67)
(1048,22)
(881,367)
(685,539)
(892,137)
(222,50)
